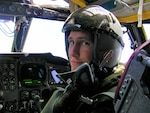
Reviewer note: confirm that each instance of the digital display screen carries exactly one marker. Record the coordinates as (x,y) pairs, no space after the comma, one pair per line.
(33,74)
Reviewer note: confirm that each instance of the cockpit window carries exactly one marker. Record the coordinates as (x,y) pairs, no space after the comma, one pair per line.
(6,35)
(45,36)
(147,28)
(127,51)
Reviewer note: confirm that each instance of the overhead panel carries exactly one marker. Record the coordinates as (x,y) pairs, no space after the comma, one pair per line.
(125,10)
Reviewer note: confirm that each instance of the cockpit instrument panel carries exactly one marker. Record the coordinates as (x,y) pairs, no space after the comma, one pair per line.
(28,80)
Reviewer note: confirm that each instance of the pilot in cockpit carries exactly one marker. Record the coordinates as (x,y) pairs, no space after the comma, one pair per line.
(94,44)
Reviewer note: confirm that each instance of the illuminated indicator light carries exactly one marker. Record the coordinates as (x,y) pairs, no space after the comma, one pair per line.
(29,81)
(36,81)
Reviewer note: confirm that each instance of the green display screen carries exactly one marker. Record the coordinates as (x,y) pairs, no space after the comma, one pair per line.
(33,74)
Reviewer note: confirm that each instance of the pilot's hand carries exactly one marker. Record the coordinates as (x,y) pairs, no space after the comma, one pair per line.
(67,101)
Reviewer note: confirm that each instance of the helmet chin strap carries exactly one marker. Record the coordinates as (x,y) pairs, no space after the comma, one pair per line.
(106,58)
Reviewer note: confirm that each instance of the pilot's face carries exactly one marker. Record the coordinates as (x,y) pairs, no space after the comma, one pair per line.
(80,48)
